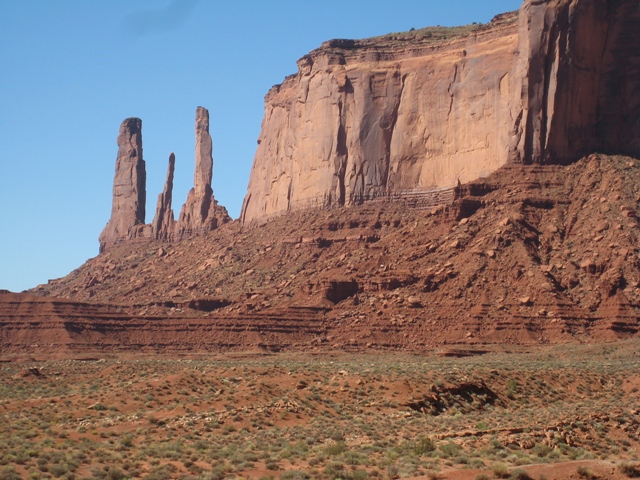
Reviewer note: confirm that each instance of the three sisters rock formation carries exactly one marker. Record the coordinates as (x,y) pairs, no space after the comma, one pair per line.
(200,213)
(416,112)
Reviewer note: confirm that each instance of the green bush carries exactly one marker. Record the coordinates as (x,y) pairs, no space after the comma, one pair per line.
(424,445)
(9,473)
(336,448)
(294,475)
(450,449)
(587,473)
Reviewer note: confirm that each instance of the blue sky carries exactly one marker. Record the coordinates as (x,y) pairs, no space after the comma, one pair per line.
(72,70)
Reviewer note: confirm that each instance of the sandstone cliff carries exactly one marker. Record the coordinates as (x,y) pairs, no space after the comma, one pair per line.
(577,86)
(412,112)
(129,185)
(201,212)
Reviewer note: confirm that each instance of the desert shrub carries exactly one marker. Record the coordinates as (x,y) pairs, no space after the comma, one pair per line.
(450,449)
(336,448)
(587,473)
(335,470)
(512,389)
(541,450)
(482,476)
(519,474)
(165,472)
(9,473)
(217,473)
(500,470)
(424,445)
(294,475)
(272,465)
(631,470)
(57,470)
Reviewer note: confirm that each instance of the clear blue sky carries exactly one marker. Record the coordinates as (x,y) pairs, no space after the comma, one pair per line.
(72,70)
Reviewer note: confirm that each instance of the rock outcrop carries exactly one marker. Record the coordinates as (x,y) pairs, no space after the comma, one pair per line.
(163,221)
(201,212)
(129,184)
(409,112)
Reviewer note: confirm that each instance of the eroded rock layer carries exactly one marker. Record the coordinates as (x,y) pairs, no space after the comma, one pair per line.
(531,254)
(404,113)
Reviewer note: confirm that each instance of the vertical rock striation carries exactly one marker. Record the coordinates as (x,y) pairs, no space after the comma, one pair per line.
(201,212)
(129,194)
(163,221)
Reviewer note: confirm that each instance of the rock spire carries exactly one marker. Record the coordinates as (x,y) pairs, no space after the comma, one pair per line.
(163,221)
(201,212)
(129,185)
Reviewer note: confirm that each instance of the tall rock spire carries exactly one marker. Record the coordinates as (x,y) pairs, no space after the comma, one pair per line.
(201,213)
(129,185)
(163,221)
(203,174)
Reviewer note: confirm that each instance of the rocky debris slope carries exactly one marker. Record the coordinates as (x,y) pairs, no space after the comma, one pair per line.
(201,212)
(413,112)
(530,254)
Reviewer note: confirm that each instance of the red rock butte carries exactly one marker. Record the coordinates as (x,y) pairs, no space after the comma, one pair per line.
(425,110)
(472,185)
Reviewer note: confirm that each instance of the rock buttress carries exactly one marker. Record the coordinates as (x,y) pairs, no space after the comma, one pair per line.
(201,212)
(129,186)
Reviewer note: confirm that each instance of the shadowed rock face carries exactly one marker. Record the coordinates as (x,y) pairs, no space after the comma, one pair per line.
(129,194)
(365,118)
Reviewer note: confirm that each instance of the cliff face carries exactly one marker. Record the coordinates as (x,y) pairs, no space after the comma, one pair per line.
(366,118)
(578,77)
(409,112)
